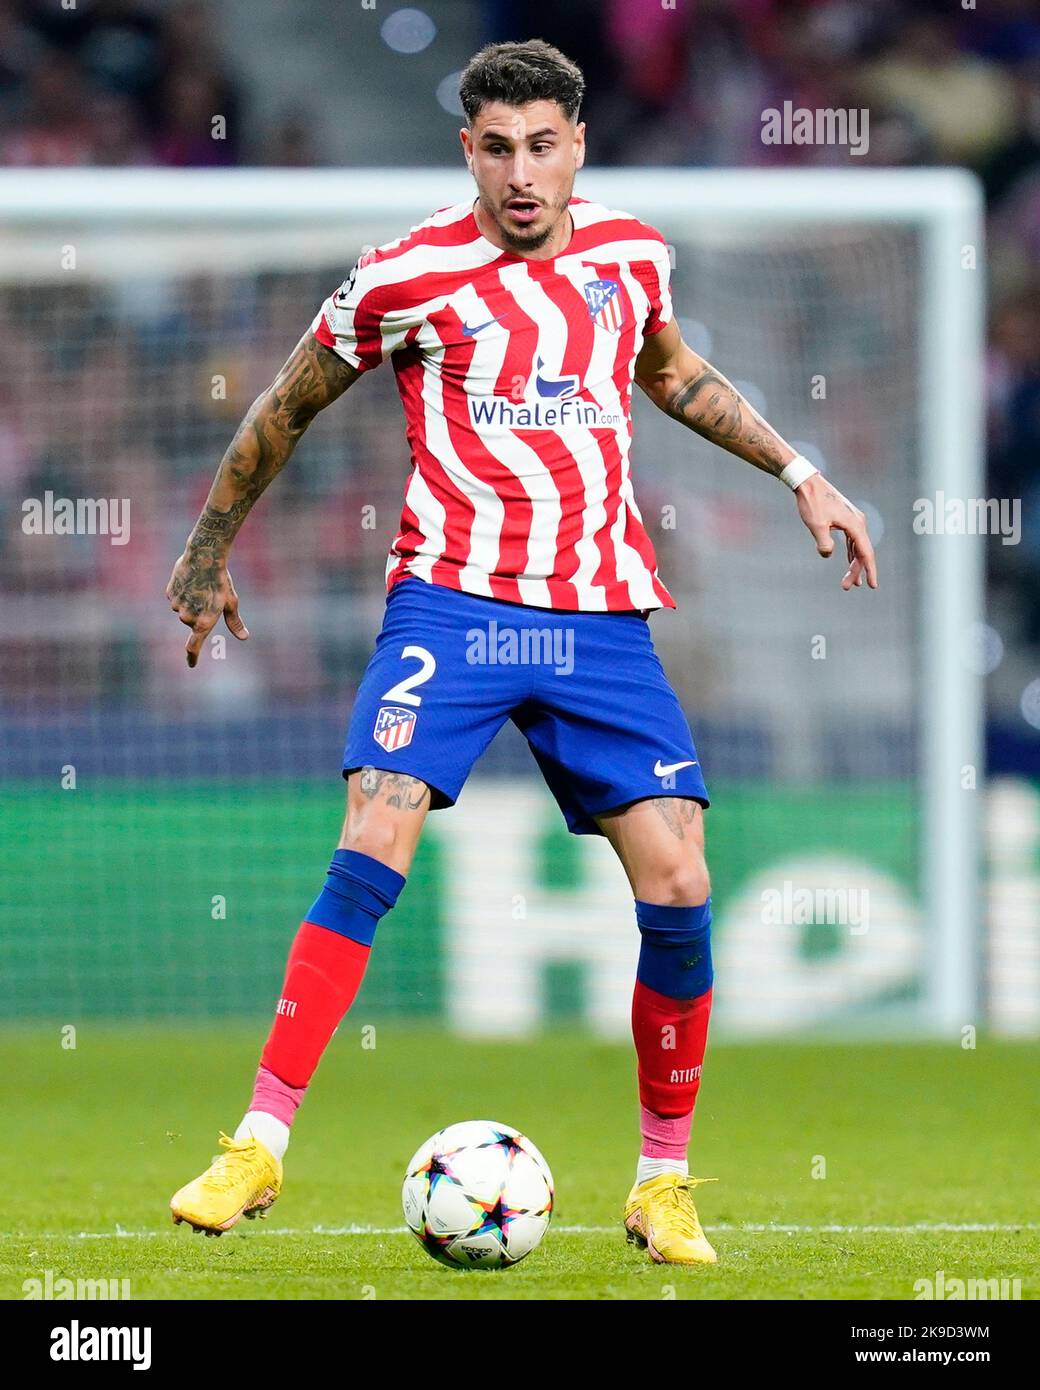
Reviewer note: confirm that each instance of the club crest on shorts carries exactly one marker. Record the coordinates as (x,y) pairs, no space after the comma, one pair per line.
(394,727)
(603,298)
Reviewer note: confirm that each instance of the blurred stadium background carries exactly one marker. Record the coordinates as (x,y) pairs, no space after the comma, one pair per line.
(162,831)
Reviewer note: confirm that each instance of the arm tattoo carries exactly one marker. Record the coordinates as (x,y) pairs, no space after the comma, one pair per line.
(215,530)
(395,789)
(311,379)
(714,408)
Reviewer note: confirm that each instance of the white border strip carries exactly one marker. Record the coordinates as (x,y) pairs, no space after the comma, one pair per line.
(820,196)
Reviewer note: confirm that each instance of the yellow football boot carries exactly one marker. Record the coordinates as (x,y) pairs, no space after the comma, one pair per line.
(242,1181)
(660,1214)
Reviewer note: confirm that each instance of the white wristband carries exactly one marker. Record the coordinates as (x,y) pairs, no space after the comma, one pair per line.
(797,471)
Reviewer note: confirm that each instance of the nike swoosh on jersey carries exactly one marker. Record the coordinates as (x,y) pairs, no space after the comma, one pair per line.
(468,332)
(660,771)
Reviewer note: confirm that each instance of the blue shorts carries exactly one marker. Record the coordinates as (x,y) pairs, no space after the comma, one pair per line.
(585,689)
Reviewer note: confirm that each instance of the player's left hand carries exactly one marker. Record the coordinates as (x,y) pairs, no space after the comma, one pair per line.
(823,509)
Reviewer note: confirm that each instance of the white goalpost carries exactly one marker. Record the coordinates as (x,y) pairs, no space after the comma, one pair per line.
(849,305)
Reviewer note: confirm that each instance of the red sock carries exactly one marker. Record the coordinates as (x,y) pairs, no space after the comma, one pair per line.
(322,977)
(670,1037)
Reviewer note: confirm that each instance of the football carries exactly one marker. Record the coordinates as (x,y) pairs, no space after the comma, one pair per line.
(478,1195)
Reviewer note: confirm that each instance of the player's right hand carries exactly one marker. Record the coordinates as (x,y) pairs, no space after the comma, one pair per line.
(824,509)
(200,590)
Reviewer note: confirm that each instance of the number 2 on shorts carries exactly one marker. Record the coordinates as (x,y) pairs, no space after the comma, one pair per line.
(402,691)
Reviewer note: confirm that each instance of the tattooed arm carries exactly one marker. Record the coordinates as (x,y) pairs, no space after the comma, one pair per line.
(690,390)
(200,587)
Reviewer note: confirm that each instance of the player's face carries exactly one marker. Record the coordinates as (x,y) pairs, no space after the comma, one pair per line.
(524,159)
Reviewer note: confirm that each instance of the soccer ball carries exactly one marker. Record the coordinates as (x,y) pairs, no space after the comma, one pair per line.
(478,1195)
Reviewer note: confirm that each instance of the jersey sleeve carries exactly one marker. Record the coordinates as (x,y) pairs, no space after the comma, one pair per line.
(364,321)
(655,277)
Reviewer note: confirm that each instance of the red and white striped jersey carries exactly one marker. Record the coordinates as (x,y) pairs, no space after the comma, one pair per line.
(516,378)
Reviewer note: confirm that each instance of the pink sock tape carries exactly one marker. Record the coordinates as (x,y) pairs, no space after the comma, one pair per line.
(664,1137)
(276,1097)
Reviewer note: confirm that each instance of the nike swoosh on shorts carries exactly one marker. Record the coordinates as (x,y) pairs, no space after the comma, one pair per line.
(660,771)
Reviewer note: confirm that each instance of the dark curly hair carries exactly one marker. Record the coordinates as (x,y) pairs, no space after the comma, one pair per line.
(518,73)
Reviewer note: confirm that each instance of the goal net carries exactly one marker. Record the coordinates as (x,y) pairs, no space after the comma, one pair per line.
(163,830)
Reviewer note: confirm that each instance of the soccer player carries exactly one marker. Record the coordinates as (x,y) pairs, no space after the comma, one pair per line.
(516,325)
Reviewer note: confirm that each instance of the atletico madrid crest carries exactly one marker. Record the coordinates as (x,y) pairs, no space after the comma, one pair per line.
(605,307)
(394,727)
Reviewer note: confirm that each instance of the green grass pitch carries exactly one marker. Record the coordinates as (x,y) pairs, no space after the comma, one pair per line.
(921,1144)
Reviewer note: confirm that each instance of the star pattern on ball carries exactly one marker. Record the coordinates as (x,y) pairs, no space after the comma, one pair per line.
(509,1144)
(440,1169)
(436,1245)
(435,1167)
(497,1215)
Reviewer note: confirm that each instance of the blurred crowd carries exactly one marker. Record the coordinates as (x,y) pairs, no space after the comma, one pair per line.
(139,82)
(113,82)
(127,83)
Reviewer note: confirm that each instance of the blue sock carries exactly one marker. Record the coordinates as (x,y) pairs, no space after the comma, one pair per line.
(675,952)
(358,891)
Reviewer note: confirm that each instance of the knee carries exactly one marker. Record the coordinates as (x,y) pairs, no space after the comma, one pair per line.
(371,834)
(682,883)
